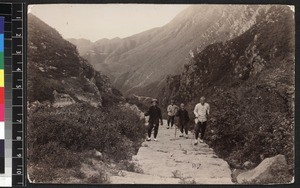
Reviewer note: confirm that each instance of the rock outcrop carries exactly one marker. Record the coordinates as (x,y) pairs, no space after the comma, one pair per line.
(268,171)
(134,109)
(62,100)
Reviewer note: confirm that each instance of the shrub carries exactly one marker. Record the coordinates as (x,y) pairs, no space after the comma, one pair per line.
(101,177)
(42,174)
(79,174)
(131,167)
(64,133)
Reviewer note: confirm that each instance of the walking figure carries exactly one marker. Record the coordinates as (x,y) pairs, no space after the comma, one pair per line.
(201,112)
(171,109)
(183,120)
(155,116)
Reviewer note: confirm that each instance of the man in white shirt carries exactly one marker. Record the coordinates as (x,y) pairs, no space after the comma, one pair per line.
(172,110)
(201,112)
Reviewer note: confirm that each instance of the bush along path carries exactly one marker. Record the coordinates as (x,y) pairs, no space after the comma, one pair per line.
(175,160)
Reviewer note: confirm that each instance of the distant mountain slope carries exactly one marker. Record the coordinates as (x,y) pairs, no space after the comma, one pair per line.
(83,45)
(249,82)
(139,62)
(54,67)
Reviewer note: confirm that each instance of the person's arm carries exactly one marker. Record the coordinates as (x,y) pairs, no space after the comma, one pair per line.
(160,117)
(196,111)
(208,109)
(177,113)
(176,109)
(187,116)
(148,112)
(168,109)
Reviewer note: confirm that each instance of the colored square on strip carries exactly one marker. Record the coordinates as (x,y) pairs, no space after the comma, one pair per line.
(1,42)
(2,148)
(2,95)
(2,167)
(1,60)
(2,129)
(1,24)
(2,112)
(1,78)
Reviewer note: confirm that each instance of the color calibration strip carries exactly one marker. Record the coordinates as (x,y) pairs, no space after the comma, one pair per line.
(11,76)
(6,96)
(2,115)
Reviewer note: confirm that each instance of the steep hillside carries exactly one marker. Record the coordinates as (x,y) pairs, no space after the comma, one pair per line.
(139,62)
(249,82)
(78,124)
(56,67)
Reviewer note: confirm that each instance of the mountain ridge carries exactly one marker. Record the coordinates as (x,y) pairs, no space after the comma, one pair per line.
(144,59)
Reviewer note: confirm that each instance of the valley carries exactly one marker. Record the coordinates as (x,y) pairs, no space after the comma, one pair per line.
(138,63)
(88,99)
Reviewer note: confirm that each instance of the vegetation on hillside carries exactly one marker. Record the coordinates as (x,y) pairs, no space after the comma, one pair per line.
(249,83)
(60,138)
(79,130)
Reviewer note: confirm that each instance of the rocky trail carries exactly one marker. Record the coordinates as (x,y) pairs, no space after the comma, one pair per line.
(173,160)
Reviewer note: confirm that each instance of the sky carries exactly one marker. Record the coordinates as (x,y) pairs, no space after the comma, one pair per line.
(99,21)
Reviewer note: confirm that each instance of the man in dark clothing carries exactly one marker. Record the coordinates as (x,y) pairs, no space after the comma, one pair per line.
(183,120)
(154,114)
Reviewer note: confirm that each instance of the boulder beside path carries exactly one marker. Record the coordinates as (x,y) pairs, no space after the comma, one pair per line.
(266,172)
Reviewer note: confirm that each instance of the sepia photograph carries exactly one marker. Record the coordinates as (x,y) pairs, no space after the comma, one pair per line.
(161,94)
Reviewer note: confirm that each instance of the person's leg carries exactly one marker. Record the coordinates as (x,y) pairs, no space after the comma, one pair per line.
(181,125)
(186,128)
(156,130)
(169,119)
(203,127)
(172,120)
(150,129)
(197,130)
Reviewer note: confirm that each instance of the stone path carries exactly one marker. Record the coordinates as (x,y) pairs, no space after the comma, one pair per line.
(173,160)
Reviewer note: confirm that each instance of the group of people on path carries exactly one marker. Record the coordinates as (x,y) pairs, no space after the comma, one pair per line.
(201,112)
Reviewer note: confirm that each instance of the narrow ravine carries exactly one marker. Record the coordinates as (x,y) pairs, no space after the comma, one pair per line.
(173,160)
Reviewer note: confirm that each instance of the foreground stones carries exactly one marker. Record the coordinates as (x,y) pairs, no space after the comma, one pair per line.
(266,172)
(173,160)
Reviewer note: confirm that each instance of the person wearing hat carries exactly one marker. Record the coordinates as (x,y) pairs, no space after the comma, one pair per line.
(172,110)
(201,112)
(155,116)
